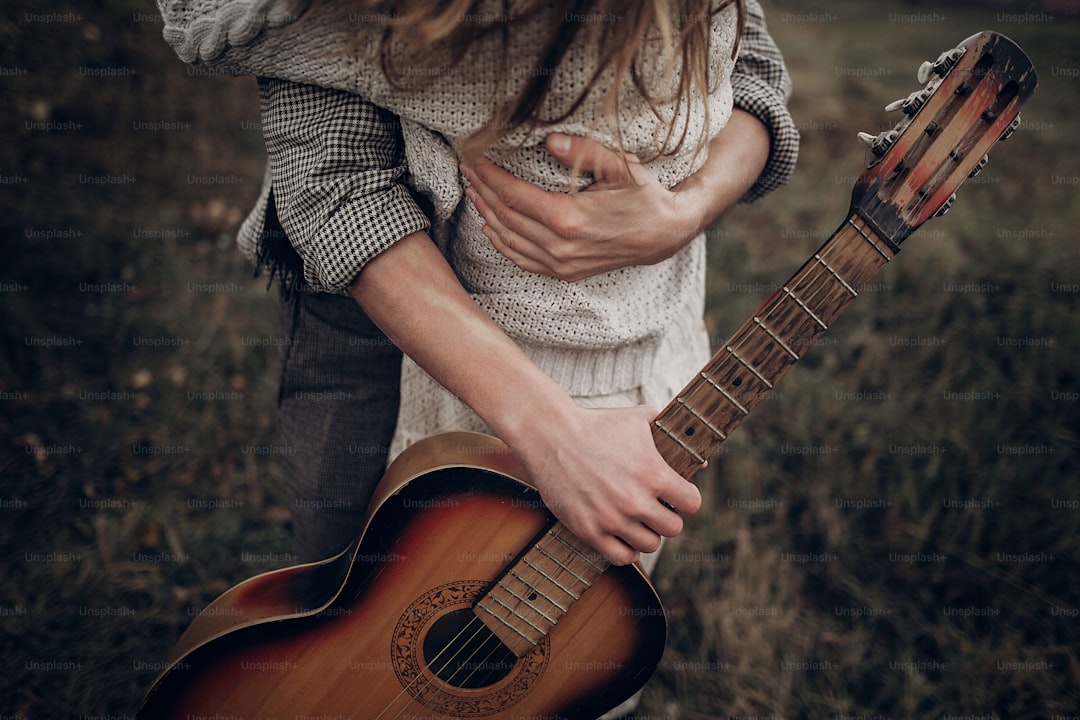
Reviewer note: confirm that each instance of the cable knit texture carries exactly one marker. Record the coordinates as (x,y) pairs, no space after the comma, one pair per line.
(600,335)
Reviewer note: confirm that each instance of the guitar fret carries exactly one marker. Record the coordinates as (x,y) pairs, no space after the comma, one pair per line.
(776,337)
(521,611)
(693,453)
(554,582)
(505,621)
(726,394)
(527,602)
(836,275)
(518,616)
(561,564)
(712,428)
(867,238)
(750,367)
(536,590)
(803,305)
(583,556)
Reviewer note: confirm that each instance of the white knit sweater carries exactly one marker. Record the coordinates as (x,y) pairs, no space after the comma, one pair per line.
(596,336)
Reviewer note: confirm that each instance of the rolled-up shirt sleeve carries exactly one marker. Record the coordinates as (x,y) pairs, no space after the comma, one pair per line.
(762,86)
(337,168)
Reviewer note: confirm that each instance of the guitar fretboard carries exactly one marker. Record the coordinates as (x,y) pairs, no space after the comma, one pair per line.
(537,590)
(747,367)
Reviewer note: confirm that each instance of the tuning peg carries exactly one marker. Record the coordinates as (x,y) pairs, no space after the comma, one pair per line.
(979,166)
(879,144)
(923,75)
(1011,129)
(912,103)
(885,141)
(941,66)
(947,206)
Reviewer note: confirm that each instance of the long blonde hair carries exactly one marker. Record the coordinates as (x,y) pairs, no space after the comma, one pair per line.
(439,32)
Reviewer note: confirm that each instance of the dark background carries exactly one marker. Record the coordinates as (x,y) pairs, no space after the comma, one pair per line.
(912,555)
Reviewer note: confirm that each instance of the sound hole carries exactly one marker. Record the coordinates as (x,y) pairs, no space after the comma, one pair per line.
(462,652)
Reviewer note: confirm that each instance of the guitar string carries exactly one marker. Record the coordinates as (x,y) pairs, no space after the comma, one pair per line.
(575,552)
(476,666)
(477,626)
(420,673)
(405,688)
(535,586)
(435,673)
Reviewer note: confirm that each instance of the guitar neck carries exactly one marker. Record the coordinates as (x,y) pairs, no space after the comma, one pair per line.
(746,368)
(690,429)
(971,100)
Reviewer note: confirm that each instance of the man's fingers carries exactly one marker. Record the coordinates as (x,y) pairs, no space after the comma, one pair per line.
(500,187)
(587,155)
(659,516)
(685,497)
(509,239)
(618,552)
(507,202)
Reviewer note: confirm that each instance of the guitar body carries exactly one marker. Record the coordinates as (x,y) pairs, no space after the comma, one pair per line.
(367,634)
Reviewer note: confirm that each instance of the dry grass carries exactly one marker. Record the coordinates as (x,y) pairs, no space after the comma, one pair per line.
(107,550)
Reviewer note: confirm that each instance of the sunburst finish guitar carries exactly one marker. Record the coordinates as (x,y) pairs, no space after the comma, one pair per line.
(464,597)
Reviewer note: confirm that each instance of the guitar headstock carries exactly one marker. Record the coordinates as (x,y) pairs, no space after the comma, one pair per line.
(971,100)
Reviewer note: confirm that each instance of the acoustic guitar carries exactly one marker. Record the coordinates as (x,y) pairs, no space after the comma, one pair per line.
(464,597)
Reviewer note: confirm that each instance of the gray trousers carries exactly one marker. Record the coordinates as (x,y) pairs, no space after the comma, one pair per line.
(338,398)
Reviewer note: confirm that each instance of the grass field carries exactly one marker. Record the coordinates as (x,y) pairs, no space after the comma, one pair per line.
(895,535)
